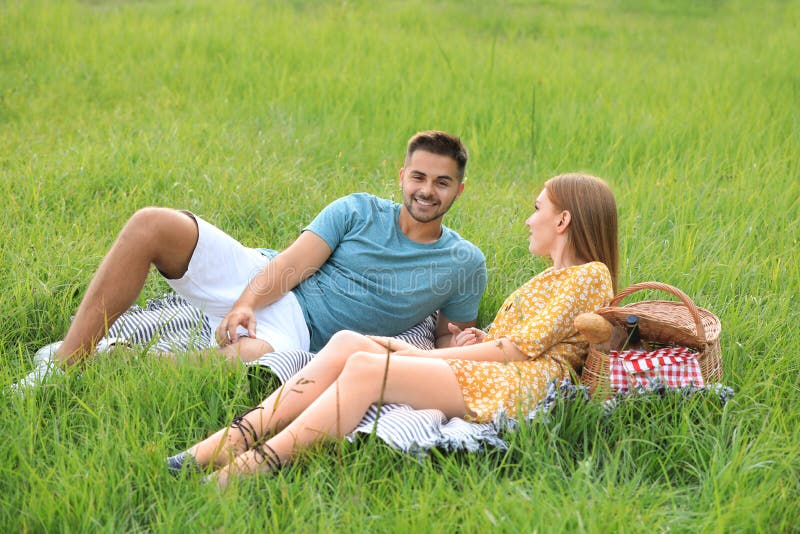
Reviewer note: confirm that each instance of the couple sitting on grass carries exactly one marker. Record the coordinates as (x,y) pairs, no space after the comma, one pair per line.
(369,265)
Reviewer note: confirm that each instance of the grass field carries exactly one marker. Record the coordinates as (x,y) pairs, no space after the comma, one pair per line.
(257,114)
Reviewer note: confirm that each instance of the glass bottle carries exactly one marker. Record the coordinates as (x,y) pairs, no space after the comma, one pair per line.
(634,339)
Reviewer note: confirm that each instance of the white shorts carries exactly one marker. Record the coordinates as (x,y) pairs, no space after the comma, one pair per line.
(218,272)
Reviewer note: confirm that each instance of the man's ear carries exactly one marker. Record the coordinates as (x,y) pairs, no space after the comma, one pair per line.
(460,190)
(563,224)
(400,176)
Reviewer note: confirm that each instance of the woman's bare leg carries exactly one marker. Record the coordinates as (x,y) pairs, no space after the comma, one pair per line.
(284,404)
(420,382)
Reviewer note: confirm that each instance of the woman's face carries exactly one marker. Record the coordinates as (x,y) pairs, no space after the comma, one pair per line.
(543,224)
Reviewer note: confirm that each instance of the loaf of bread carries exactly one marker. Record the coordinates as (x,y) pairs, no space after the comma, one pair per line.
(593,327)
(603,335)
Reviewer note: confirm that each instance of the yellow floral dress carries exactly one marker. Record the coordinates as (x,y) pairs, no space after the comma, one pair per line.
(538,319)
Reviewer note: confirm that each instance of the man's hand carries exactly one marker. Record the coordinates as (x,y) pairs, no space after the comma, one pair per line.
(282,274)
(468,336)
(240,315)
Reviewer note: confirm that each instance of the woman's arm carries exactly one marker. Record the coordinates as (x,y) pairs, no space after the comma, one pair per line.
(498,350)
(537,329)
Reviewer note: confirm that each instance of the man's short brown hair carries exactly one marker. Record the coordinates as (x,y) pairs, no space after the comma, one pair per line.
(441,143)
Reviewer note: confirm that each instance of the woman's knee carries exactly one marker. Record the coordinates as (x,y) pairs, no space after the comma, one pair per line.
(348,339)
(333,354)
(342,345)
(364,370)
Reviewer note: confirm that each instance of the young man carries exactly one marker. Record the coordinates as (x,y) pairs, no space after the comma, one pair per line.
(365,264)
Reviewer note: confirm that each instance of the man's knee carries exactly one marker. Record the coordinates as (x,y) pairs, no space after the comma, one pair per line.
(167,238)
(147,224)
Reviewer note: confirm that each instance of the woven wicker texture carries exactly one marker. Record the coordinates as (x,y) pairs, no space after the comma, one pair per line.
(665,322)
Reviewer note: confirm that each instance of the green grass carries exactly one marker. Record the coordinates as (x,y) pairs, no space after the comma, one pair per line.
(257,114)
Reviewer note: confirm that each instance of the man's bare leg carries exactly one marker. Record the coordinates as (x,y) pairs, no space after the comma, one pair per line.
(162,237)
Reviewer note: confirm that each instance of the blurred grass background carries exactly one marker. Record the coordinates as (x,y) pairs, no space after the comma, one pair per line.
(255,115)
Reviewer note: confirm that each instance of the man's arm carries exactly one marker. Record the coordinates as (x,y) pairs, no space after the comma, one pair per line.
(444,336)
(466,299)
(302,259)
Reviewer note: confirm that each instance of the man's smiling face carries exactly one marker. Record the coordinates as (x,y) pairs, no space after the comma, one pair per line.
(430,185)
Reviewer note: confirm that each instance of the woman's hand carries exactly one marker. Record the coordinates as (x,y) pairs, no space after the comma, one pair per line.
(398,346)
(468,336)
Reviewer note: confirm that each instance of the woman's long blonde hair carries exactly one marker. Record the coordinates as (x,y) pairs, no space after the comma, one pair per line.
(592,232)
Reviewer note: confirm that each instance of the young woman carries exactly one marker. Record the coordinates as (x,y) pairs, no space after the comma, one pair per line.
(531,342)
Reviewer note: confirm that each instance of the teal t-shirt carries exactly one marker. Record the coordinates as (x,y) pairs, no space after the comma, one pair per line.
(377,281)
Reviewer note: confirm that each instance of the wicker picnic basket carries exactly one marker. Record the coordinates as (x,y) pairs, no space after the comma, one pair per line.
(665,322)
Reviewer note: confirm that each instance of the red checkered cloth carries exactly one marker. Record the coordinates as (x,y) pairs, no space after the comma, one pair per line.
(674,366)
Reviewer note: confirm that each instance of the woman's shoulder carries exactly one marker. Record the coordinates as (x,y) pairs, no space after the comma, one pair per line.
(585,272)
(594,271)
(585,275)
(593,267)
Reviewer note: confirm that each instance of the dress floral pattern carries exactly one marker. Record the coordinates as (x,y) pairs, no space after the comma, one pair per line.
(538,319)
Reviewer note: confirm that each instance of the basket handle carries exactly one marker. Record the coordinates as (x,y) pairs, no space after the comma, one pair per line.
(684,298)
